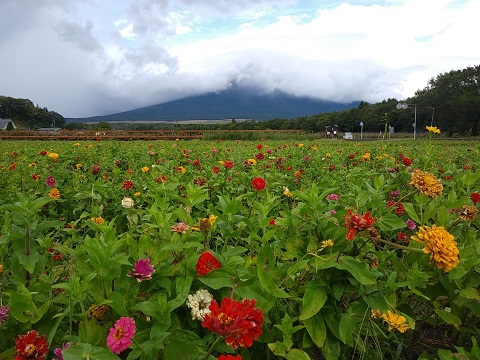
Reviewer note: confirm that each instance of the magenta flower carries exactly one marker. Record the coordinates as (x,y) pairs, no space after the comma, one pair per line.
(58,351)
(411,224)
(95,169)
(120,336)
(3,313)
(333,197)
(394,194)
(180,228)
(50,181)
(142,270)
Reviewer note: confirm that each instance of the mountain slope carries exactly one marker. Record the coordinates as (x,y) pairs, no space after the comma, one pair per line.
(236,102)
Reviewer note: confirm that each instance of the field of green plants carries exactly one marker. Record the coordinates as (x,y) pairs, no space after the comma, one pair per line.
(234,249)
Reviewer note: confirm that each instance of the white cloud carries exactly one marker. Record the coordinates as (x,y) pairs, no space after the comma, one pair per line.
(85,58)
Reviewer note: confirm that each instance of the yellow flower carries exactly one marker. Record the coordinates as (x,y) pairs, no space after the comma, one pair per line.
(98,311)
(54,193)
(286,192)
(426,183)
(32,165)
(326,244)
(76,144)
(395,322)
(366,156)
(212,219)
(181,169)
(300,145)
(145,169)
(376,314)
(433,129)
(137,194)
(441,244)
(221,162)
(52,155)
(78,166)
(1,269)
(98,220)
(252,162)
(468,213)
(328,155)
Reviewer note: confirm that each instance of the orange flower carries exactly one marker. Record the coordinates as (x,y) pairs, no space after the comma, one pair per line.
(54,193)
(426,183)
(395,322)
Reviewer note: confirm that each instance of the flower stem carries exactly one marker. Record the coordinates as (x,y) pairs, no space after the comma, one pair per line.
(398,246)
(212,347)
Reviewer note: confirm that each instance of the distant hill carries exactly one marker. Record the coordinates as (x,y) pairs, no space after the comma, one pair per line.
(236,102)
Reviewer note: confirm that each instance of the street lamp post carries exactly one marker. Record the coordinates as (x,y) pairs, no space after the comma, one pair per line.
(433,111)
(404,106)
(361,129)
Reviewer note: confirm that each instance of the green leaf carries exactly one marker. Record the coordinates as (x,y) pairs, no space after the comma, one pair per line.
(316,329)
(448,317)
(183,345)
(296,354)
(390,222)
(359,270)
(218,278)
(412,213)
(346,328)
(267,282)
(313,300)
(89,352)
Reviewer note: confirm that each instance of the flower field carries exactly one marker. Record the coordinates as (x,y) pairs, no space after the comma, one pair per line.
(236,250)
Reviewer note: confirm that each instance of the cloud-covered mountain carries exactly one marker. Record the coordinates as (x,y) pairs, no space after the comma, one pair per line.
(235,102)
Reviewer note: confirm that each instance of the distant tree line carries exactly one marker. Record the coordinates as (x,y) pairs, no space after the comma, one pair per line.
(26,115)
(450,101)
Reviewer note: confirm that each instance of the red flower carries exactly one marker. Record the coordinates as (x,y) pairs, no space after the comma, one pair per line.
(31,346)
(401,236)
(406,161)
(229,357)
(95,169)
(357,222)
(35,177)
(259,156)
(259,146)
(258,184)
(238,322)
(12,166)
(399,209)
(216,170)
(228,164)
(475,197)
(161,179)
(331,168)
(127,185)
(206,263)
(390,203)
(272,222)
(43,153)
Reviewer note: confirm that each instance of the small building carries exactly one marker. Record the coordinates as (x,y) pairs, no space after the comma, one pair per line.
(4,124)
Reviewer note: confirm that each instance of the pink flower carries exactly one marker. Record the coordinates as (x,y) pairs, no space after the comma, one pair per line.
(180,228)
(142,270)
(333,197)
(58,351)
(411,224)
(50,181)
(4,313)
(120,336)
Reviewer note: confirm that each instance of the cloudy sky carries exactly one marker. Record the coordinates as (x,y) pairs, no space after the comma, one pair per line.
(97,57)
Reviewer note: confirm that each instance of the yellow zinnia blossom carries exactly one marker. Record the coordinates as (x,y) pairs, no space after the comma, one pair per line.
(98,220)
(426,183)
(366,156)
(395,322)
(212,219)
(433,129)
(137,194)
(328,155)
(78,166)
(1,269)
(54,193)
(376,314)
(252,162)
(441,244)
(145,169)
(181,169)
(76,144)
(52,155)
(286,192)
(326,243)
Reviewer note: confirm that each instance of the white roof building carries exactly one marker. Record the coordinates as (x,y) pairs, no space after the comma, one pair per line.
(4,123)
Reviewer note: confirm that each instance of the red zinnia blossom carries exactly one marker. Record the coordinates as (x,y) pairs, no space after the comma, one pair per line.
(357,222)
(206,263)
(475,197)
(399,209)
(43,153)
(228,164)
(271,222)
(35,177)
(259,146)
(31,346)
(216,170)
(259,156)
(95,169)
(142,270)
(258,183)
(12,166)
(331,168)
(238,322)
(401,236)
(127,185)
(230,357)
(161,179)
(406,161)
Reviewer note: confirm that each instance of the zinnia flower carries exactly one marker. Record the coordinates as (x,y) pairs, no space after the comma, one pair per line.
(333,197)
(395,322)
(238,322)
(258,184)
(230,357)
(98,220)
(180,228)
(426,183)
(4,313)
(127,185)
(252,162)
(128,203)
(120,336)
(95,169)
(376,314)
(357,222)
(98,311)
(206,263)
(433,129)
(142,270)
(50,181)
(31,346)
(441,244)
(58,351)
(53,156)
(326,243)
(145,169)
(475,197)
(227,164)
(468,213)
(411,224)
(216,169)
(199,303)
(54,193)
(286,192)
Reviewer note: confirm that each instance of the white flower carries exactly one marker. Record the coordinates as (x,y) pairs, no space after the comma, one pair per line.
(199,303)
(128,203)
